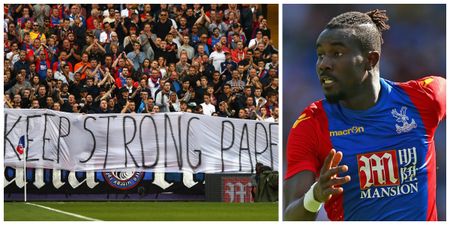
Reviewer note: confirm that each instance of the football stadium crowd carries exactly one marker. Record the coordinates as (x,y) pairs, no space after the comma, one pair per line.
(215,59)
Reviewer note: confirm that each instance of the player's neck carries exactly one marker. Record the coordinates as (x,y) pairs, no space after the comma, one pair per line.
(366,97)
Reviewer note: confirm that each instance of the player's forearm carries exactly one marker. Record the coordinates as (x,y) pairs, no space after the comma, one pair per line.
(296,211)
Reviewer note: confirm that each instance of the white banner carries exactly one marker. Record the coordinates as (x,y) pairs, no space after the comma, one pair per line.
(165,142)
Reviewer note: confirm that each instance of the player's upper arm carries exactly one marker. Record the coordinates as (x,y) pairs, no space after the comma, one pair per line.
(429,95)
(436,87)
(303,145)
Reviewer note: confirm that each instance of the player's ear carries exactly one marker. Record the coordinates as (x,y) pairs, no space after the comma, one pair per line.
(373,57)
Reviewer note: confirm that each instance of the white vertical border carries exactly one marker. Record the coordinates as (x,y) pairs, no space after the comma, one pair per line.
(280,114)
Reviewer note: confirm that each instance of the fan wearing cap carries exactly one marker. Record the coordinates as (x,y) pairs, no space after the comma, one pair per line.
(227,66)
(123,96)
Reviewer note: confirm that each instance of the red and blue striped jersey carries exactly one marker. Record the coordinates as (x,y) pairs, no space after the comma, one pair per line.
(388,148)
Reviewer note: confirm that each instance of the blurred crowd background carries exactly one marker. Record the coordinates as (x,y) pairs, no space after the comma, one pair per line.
(414,47)
(212,59)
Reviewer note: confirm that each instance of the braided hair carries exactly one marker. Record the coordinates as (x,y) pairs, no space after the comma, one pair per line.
(368,27)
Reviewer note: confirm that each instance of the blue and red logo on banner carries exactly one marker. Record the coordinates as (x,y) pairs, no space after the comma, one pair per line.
(21,145)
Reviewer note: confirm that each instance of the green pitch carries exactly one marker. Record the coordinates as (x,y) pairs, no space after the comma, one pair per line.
(142,211)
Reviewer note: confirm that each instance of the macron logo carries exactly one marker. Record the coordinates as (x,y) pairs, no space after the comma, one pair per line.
(349,131)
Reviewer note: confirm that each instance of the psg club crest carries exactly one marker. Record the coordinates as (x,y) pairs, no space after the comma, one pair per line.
(403,119)
(123,180)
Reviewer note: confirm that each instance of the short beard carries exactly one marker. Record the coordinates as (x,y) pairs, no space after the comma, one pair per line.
(335,98)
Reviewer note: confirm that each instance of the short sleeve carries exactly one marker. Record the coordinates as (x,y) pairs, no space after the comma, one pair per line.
(435,87)
(303,144)
(428,95)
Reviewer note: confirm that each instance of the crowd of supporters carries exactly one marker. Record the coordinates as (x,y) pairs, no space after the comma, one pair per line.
(212,59)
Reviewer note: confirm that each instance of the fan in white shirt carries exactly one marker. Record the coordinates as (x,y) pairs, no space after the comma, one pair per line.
(208,108)
(217,57)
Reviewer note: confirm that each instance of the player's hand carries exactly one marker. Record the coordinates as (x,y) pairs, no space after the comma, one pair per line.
(329,183)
